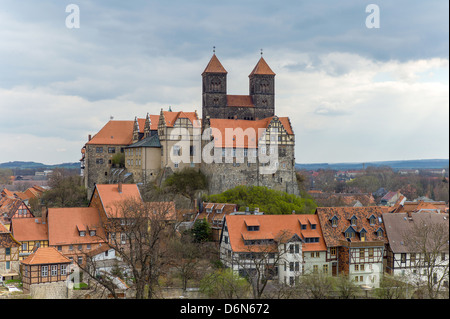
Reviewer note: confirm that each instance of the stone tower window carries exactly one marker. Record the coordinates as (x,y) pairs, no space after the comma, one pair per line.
(215,84)
(264,87)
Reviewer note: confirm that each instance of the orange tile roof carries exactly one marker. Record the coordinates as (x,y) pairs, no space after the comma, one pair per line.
(171,117)
(214,66)
(46,255)
(164,209)
(27,229)
(255,126)
(63,222)
(334,235)
(275,227)
(110,197)
(240,101)
(154,119)
(262,68)
(114,133)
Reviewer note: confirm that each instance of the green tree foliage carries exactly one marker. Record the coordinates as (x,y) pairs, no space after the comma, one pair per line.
(201,231)
(267,200)
(186,182)
(5,176)
(66,190)
(224,283)
(118,159)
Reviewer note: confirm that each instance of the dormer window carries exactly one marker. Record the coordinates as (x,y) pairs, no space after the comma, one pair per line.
(353,221)
(92,233)
(334,221)
(362,234)
(372,220)
(82,233)
(303,226)
(313,226)
(349,233)
(379,232)
(252,228)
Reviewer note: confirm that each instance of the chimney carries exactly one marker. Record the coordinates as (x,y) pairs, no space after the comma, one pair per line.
(119,187)
(89,137)
(44,215)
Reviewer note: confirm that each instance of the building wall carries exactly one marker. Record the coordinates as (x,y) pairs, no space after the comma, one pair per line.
(98,164)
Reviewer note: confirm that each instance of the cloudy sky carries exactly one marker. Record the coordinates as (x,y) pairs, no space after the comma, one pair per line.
(353,93)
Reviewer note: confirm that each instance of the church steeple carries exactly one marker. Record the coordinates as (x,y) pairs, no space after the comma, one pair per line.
(214,89)
(262,89)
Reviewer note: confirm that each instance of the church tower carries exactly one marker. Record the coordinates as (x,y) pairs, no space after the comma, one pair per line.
(262,89)
(214,89)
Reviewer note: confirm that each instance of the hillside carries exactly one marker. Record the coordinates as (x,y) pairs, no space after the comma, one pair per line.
(395,165)
(34,165)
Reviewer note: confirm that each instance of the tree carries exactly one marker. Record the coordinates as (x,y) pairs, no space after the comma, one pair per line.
(187,182)
(185,256)
(201,231)
(140,236)
(224,283)
(392,287)
(5,176)
(66,190)
(429,239)
(267,200)
(315,285)
(344,287)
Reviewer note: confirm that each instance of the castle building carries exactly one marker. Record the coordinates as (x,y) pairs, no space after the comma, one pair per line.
(239,141)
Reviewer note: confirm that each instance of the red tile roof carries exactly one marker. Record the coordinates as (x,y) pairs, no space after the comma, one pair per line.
(111,197)
(63,222)
(276,227)
(250,141)
(114,133)
(29,229)
(171,117)
(214,66)
(46,255)
(240,101)
(262,68)
(334,235)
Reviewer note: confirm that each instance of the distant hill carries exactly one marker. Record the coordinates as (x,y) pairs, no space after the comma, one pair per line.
(395,165)
(34,165)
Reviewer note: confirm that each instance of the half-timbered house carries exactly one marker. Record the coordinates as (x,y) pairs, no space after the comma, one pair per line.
(429,251)
(9,254)
(31,233)
(355,239)
(45,266)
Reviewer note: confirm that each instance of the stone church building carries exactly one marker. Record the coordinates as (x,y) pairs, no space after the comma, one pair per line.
(239,141)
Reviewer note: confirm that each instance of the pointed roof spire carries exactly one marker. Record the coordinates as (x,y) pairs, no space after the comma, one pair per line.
(262,67)
(214,65)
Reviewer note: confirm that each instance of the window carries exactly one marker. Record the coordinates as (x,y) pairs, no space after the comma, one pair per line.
(315,269)
(333,251)
(412,258)
(80,247)
(362,267)
(303,227)
(313,226)
(123,238)
(92,233)
(325,268)
(403,258)
(361,253)
(99,149)
(44,271)
(111,150)
(370,252)
(176,150)
(70,247)
(54,270)
(59,248)
(353,221)
(252,228)
(99,161)
(82,233)
(8,265)
(334,222)
(24,246)
(80,260)
(356,267)
(372,220)
(175,164)
(291,266)
(63,269)
(88,246)
(7,251)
